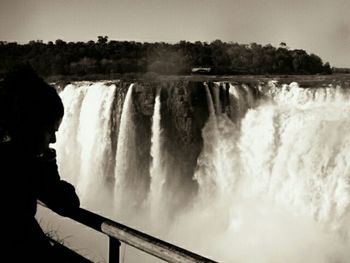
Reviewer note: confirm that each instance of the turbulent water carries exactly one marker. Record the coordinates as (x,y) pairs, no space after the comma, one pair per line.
(270,181)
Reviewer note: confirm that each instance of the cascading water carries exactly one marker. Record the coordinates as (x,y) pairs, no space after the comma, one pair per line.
(87,149)
(67,144)
(157,171)
(127,182)
(290,174)
(273,174)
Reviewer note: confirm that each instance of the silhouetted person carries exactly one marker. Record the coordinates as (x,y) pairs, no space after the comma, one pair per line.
(30,113)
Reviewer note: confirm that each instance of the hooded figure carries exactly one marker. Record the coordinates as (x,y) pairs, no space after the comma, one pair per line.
(30,113)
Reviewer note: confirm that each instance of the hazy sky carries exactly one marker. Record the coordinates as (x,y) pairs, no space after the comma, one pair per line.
(318,26)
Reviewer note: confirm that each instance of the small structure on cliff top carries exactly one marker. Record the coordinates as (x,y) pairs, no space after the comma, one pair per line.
(201,70)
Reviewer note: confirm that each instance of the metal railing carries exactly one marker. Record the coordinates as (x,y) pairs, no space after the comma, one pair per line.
(121,233)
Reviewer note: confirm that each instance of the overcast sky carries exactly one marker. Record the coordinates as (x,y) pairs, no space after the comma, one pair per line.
(318,26)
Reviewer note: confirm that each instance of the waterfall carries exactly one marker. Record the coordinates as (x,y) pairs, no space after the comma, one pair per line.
(289,172)
(273,174)
(84,139)
(157,170)
(216,160)
(241,99)
(204,163)
(250,98)
(126,163)
(67,146)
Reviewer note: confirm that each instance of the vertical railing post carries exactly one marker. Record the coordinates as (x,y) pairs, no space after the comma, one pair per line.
(114,250)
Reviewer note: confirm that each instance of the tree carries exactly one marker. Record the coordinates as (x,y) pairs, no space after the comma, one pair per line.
(284,45)
(60,42)
(327,68)
(102,40)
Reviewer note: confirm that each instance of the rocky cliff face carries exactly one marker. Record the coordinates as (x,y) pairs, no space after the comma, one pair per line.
(184,111)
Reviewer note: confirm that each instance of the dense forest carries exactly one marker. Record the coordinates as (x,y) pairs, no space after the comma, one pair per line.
(104,57)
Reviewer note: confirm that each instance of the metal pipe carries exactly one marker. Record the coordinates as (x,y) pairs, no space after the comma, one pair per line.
(151,245)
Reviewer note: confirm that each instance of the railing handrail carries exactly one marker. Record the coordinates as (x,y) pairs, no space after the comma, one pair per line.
(142,241)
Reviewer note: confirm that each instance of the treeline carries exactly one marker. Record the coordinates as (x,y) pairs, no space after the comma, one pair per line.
(120,57)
